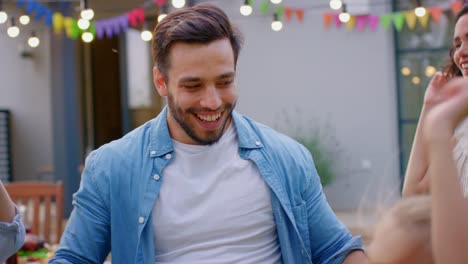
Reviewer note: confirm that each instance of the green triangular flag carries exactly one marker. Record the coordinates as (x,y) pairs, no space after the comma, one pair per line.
(75,30)
(385,21)
(279,12)
(398,20)
(264,8)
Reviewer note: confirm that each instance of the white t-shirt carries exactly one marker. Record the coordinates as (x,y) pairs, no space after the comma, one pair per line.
(214,207)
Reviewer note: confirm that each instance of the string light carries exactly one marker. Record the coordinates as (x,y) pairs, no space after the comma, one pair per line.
(430,70)
(87,37)
(163,13)
(13,31)
(178,3)
(3,15)
(335,4)
(146,35)
(276,25)
(344,15)
(416,80)
(33,40)
(83,24)
(24,19)
(419,11)
(246,9)
(405,71)
(86,12)
(275,1)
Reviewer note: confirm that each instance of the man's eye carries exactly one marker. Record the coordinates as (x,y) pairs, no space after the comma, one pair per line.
(191,86)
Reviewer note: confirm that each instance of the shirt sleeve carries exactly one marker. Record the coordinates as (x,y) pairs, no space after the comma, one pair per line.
(330,239)
(86,238)
(11,236)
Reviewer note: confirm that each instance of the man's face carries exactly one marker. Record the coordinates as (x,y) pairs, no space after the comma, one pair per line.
(201,90)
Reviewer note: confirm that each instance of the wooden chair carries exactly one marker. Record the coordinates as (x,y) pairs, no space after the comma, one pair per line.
(41,194)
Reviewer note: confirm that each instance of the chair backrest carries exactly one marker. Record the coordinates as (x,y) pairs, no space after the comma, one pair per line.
(41,195)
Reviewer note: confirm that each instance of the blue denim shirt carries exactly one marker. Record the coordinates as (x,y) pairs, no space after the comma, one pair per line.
(120,183)
(11,236)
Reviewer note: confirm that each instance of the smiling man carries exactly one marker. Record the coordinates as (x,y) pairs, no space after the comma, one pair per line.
(202,183)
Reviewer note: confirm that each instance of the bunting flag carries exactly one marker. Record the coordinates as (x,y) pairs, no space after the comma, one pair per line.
(350,24)
(373,22)
(424,20)
(398,20)
(456,6)
(159,3)
(337,20)
(327,19)
(361,22)
(264,7)
(279,12)
(58,22)
(435,13)
(288,14)
(410,18)
(385,21)
(300,15)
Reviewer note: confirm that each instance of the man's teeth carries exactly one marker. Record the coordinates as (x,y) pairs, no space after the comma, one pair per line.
(464,65)
(209,118)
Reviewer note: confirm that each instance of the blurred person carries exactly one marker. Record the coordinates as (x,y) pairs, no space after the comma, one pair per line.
(421,229)
(12,231)
(202,183)
(416,181)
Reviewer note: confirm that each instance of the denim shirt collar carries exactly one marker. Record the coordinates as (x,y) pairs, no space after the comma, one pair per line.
(160,142)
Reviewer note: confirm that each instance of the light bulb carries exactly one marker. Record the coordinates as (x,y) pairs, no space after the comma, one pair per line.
(13,31)
(33,42)
(416,80)
(246,10)
(420,11)
(87,14)
(24,19)
(83,23)
(275,1)
(336,4)
(344,17)
(87,37)
(161,17)
(178,3)
(276,25)
(3,17)
(430,70)
(405,71)
(146,35)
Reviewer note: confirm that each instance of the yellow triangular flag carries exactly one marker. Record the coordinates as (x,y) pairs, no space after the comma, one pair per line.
(410,18)
(57,21)
(424,20)
(351,23)
(68,23)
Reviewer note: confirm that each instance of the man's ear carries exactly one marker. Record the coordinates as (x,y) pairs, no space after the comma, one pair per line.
(159,82)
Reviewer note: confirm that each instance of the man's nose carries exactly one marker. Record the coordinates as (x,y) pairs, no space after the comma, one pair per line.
(211,98)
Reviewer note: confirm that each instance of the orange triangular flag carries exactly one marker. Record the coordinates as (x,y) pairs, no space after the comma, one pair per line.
(300,15)
(456,6)
(436,11)
(287,13)
(327,19)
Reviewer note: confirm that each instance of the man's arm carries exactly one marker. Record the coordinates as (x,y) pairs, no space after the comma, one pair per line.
(86,238)
(356,257)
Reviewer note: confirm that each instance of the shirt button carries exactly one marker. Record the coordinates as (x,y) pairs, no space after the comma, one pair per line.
(141,220)
(156,177)
(168,156)
(153,152)
(257,143)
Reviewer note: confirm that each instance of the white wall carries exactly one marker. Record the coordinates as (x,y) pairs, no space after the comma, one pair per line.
(336,78)
(25,90)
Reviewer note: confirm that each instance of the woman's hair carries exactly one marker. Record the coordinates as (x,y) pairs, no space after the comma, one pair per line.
(403,233)
(451,69)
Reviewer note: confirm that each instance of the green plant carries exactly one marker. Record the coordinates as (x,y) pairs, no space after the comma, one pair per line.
(323,159)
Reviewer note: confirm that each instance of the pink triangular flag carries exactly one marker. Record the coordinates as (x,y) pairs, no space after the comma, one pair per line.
(373,22)
(361,22)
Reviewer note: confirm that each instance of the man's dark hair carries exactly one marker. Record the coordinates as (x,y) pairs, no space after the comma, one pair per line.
(202,23)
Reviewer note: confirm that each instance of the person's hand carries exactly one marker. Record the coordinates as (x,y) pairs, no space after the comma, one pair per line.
(432,95)
(449,108)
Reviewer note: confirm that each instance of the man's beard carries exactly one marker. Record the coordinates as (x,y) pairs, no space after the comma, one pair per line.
(178,114)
